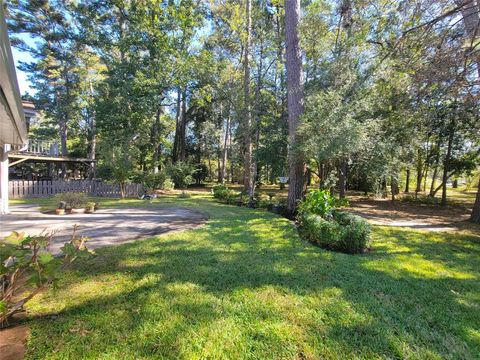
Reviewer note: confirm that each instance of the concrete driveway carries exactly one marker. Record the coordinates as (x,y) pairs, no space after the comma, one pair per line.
(105,227)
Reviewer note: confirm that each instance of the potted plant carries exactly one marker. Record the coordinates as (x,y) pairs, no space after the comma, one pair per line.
(74,201)
(60,210)
(89,207)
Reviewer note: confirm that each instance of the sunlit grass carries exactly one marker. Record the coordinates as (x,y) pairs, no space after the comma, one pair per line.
(245,286)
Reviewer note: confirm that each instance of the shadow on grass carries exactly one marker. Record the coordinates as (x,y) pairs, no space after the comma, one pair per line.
(246,286)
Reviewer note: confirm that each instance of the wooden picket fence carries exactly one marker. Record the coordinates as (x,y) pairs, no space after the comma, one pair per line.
(44,188)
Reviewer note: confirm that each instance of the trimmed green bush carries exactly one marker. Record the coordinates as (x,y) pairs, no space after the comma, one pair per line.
(355,232)
(223,193)
(344,232)
(319,231)
(219,191)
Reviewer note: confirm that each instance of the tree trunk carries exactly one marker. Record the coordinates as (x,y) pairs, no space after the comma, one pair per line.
(93,140)
(155,140)
(183,128)
(225,149)
(435,170)
(342,172)
(419,171)
(257,116)
(321,175)
(394,186)
(63,143)
(407,184)
(446,165)
(247,131)
(295,102)
(177,126)
(475,217)
(230,150)
(434,178)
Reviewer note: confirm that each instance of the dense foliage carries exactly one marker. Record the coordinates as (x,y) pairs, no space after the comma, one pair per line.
(390,90)
(322,224)
(345,232)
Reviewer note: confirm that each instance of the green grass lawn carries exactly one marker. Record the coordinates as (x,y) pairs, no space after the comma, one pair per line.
(245,286)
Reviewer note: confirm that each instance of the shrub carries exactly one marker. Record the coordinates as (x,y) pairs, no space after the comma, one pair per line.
(219,191)
(28,268)
(342,232)
(421,199)
(181,174)
(201,173)
(168,184)
(337,203)
(223,193)
(318,202)
(153,181)
(184,195)
(231,196)
(319,231)
(355,232)
(73,200)
(264,203)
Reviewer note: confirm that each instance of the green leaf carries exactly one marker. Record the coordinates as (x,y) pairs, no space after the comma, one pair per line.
(69,249)
(45,258)
(3,306)
(14,238)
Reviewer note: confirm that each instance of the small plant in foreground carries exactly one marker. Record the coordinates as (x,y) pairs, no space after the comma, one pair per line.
(27,267)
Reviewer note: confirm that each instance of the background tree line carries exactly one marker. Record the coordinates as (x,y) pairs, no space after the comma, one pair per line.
(353,94)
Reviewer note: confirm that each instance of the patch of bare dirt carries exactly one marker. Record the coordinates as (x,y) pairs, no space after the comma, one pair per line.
(418,216)
(12,342)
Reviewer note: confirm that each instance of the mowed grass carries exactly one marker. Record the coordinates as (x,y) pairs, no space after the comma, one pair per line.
(245,286)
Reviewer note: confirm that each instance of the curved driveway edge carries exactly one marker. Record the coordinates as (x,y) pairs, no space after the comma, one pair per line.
(105,227)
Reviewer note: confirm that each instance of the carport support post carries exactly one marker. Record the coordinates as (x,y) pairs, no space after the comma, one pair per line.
(4,178)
